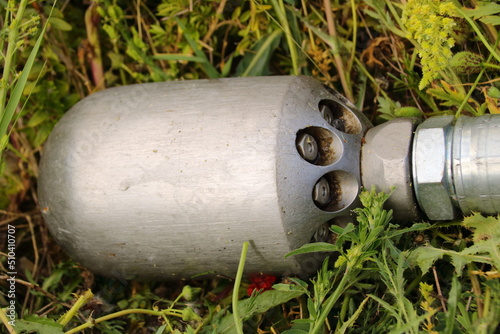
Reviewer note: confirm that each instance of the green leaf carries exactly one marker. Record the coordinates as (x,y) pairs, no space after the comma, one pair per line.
(486,236)
(425,257)
(314,247)
(176,56)
(466,62)
(452,305)
(289,287)
(265,301)
(60,24)
(294,331)
(493,20)
(407,112)
(299,282)
(452,97)
(386,108)
(388,307)
(161,329)
(302,321)
(494,92)
(40,325)
(483,227)
(3,143)
(256,62)
(415,227)
(343,231)
(312,309)
(483,9)
(38,117)
(249,307)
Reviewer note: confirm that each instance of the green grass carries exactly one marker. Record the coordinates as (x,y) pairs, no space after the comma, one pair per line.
(384,278)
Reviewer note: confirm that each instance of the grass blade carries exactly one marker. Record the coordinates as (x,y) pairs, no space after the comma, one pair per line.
(17,91)
(261,59)
(452,305)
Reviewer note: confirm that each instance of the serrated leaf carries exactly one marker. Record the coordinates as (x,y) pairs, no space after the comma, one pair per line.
(40,325)
(386,108)
(483,227)
(425,257)
(452,97)
(486,236)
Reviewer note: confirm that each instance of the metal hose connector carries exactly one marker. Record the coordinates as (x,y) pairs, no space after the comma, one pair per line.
(476,164)
(456,166)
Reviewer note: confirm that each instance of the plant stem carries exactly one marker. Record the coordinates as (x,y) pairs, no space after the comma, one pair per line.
(332,31)
(330,302)
(239,274)
(354,35)
(122,313)
(5,320)
(309,31)
(82,300)
(11,48)
(491,66)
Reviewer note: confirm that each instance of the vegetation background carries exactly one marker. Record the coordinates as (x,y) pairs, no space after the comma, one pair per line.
(392,58)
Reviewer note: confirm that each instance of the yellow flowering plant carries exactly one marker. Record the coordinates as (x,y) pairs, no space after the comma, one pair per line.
(431,24)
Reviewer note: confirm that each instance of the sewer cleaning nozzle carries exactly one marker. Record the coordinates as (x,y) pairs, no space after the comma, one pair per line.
(167,180)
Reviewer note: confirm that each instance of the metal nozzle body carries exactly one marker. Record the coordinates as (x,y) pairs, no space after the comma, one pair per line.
(167,180)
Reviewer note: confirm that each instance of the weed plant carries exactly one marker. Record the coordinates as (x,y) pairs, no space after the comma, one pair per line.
(392,58)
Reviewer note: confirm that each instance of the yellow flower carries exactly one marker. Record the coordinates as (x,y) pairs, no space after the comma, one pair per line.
(431,23)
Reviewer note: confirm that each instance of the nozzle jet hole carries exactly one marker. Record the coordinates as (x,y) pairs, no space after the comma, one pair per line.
(339,116)
(318,146)
(335,191)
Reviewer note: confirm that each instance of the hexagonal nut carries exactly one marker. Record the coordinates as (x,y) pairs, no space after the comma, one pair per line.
(307,147)
(386,163)
(432,168)
(321,192)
